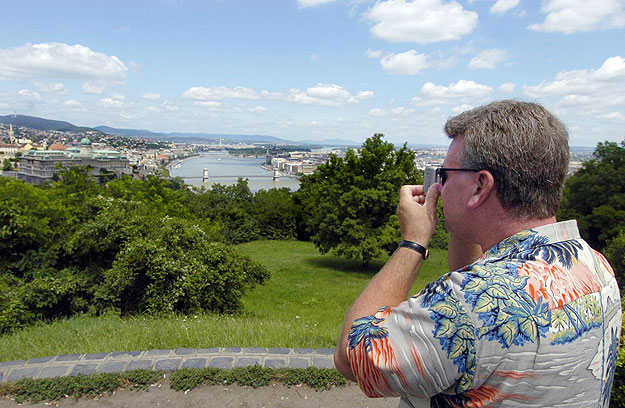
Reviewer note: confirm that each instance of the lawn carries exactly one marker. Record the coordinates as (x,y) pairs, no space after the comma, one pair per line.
(301,305)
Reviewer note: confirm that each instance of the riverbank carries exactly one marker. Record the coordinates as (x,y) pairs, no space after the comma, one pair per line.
(178,162)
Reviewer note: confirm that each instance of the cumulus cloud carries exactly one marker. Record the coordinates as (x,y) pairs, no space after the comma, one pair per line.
(503,6)
(420,21)
(401,111)
(321,95)
(111,103)
(27,95)
(459,109)
(59,60)
(377,112)
(93,88)
(150,96)
(570,16)
(583,82)
(312,3)
(210,105)
(200,93)
(488,59)
(460,89)
(362,96)
(374,54)
(55,88)
(72,104)
(507,87)
(257,109)
(618,117)
(405,63)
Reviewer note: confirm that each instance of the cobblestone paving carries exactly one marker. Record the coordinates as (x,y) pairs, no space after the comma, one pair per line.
(164,360)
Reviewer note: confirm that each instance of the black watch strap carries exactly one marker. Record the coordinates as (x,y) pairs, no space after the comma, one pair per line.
(416,247)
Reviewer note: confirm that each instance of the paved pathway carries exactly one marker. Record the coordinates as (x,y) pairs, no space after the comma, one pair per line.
(164,360)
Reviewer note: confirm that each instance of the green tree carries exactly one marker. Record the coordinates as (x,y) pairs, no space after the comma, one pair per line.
(595,195)
(276,213)
(231,206)
(348,204)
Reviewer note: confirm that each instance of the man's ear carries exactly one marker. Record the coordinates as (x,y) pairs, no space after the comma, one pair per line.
(484,185)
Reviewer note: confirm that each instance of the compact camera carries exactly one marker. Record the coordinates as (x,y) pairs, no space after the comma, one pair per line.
(429,178)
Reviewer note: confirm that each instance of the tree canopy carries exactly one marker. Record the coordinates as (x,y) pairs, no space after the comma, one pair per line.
(595,195)
(348,204)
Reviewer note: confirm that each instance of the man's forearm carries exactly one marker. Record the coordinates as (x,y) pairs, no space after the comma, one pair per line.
(389,287)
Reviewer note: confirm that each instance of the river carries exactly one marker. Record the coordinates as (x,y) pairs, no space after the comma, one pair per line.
(225,169)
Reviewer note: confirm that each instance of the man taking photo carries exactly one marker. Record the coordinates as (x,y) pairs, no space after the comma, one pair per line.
(529,316)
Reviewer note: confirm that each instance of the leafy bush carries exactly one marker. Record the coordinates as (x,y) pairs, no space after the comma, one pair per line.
(131,246)
(595,195)
(615,253)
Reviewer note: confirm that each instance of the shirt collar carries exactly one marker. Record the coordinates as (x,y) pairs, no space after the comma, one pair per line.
(524,240)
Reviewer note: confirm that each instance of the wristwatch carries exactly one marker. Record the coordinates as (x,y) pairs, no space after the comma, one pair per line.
(416,247)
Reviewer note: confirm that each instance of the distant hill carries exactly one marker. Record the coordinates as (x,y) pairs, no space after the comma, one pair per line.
(42,124)
(332,142)
(193,137)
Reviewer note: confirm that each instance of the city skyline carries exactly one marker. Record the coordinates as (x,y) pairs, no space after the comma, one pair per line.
(313,69)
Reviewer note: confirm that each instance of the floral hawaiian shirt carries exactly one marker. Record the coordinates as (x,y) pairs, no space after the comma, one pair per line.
(535,322)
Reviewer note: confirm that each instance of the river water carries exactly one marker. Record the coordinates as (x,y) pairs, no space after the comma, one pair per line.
(225,169)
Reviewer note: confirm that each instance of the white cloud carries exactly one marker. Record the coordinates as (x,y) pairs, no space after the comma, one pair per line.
(570,16)
(27,95)
(377,112)
(312,3)
(321,95)
(362,96)
(118,97)
(586,94)
(328,91)
(210,105)
(420,21)
(153,109)
(507,87)
(612,69)
(200,93)
(503,6)
(488,59)
(405,63)
(72,104)
(374,54)
(459,109)
(460,89)
(93,88)
(60,61)
(151,96)
(618,117)
(583,82)
(111,103)
(401,111)
(55,88)
(258,109)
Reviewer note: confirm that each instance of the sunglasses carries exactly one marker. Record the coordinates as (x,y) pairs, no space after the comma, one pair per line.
(441,173)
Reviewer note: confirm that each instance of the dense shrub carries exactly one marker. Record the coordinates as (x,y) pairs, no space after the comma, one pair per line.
(132,246)
(244,216)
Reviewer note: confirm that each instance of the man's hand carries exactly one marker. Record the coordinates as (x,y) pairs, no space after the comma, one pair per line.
(417,213)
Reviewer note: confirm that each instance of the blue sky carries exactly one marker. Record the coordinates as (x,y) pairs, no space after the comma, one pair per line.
(313,69)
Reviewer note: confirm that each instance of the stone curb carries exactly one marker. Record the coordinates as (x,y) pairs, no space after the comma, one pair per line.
(164,360)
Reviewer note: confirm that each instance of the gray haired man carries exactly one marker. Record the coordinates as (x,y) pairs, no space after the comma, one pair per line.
(529,315)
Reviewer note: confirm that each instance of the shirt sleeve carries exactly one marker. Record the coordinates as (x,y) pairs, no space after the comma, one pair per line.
(422,347)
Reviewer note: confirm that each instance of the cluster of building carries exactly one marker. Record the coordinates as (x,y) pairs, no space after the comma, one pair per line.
(296,163)
(36,156)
